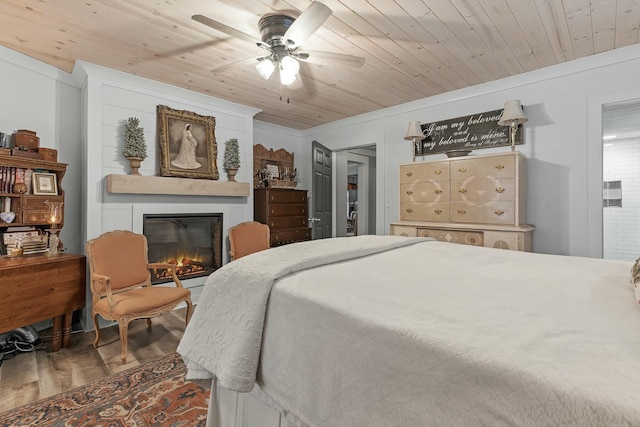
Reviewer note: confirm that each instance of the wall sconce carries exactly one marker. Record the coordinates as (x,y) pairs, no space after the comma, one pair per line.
(54,217)
(512,116)
(414,134)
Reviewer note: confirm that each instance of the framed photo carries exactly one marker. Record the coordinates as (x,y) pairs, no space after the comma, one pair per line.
(272,170)
(188,145)
(45,183)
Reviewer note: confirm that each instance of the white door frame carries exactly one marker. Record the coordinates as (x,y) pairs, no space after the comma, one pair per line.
(594,165)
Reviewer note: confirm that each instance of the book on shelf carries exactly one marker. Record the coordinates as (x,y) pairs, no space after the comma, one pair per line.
(32,241)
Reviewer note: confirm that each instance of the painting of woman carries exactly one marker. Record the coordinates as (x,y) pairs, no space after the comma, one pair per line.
(186,158)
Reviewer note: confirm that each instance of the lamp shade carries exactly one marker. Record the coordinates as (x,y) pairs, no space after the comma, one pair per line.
(512,113)
(265,67)
(415,131)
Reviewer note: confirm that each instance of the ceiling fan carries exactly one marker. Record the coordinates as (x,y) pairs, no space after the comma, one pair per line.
(281,36)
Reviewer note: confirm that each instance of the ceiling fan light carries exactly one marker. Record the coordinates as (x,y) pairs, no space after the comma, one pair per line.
(265,68)
(290,65)
(286,78)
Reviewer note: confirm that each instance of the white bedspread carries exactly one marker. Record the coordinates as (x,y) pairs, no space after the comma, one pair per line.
(224,336)
(441,334)
(434,334)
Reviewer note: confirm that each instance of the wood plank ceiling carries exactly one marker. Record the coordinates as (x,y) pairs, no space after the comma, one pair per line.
(413,48)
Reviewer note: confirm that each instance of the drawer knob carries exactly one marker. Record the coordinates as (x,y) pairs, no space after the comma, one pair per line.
(462,190)
(462,211)
(499,167)
(499,212)
(463,170)
(500,190)
(438,191)
(438,172)
(409,210)
(438,211)
(409,173)
(409,192)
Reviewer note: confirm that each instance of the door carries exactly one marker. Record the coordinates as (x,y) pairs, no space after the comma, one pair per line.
(322,196)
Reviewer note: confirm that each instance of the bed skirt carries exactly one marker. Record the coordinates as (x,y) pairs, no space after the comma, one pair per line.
(255,409)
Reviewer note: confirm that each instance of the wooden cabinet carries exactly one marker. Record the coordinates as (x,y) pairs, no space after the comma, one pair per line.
(30,209)
(285,211)
(40,287)
(478,200)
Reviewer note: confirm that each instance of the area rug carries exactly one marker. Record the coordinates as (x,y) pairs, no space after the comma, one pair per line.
(154,394)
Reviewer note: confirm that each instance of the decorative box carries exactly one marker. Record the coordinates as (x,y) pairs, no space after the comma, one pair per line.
(26,140)
(48,154)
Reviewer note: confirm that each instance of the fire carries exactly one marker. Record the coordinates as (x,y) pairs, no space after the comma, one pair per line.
(184,267)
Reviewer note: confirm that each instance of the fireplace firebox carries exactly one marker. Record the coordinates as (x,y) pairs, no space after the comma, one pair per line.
(192,242)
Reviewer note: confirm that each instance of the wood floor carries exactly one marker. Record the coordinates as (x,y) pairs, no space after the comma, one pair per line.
(35,375)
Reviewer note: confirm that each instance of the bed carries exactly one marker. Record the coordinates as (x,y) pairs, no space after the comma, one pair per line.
(396,331)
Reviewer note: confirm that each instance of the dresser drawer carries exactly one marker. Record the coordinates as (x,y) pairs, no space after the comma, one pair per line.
(425,192)
(404,230)
(473,238)
(35,210)
(276,222)
(287,210)
(420,172)
(497,213)
(424,211)
(286,196)
(284,237)
(496,167)
(483,192)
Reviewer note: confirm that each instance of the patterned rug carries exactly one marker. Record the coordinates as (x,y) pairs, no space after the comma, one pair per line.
(154,394)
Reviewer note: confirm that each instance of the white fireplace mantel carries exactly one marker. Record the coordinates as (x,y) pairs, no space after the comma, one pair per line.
(137,184)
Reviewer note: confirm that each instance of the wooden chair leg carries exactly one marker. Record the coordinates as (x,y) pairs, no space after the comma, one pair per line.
(189,311)
(96,326)
(124,330)
(149,322)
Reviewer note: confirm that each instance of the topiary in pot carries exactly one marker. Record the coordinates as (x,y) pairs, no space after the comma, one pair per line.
(231,158)
(135,148)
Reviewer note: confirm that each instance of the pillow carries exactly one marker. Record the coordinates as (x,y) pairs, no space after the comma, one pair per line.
(635,279)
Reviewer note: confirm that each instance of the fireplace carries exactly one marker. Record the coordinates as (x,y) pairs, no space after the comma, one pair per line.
(192,242)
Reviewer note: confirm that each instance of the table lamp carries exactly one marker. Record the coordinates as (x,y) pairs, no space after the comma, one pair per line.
(512,116)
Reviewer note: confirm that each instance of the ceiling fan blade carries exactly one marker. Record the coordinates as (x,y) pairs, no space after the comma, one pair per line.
(229,30)
(307,23)
(234,64)
(326,58)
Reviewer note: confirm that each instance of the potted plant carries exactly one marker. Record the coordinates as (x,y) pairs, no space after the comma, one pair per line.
(231,158)
(135,148)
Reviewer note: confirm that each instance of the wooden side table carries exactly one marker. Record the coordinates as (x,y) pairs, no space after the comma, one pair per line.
(40,287)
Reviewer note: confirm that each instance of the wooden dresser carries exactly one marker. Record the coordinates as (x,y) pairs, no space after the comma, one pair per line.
(40,287)
(285,211)
(478,200)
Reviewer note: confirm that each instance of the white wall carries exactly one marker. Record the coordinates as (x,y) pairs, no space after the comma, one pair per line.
(562,136)
(109,98)
(43,99)
(276,137)
(564,150)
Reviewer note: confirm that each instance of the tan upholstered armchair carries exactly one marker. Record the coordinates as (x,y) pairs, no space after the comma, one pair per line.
(247,238)
(121,283)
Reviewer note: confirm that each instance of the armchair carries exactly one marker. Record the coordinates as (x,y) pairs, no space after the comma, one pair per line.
(121,283)
(247,238)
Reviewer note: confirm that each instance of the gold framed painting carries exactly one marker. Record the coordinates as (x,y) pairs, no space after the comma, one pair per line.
(188,147)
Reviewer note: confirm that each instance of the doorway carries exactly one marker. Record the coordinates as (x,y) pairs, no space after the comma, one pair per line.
(355,191)
(621,180)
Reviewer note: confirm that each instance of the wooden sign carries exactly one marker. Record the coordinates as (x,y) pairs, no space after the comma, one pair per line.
(465,133)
